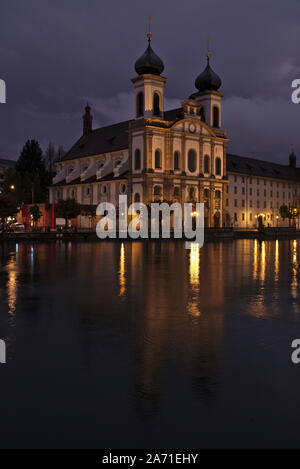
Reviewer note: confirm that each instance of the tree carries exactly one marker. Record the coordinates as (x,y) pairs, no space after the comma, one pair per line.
(34,176)
(8,206)
(288,212)
(35,213)
(60,153)
(49,158)
(284,212)
(67,209)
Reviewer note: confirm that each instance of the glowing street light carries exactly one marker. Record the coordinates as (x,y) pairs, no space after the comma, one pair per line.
(12,187)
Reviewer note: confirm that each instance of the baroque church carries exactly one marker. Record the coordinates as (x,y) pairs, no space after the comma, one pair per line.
(174,155)
(177,155)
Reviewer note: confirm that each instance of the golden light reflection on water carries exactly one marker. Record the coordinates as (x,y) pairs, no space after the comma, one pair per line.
(263,262)
(255,260)
(122,279)
(294,282)
(194,273)
(11,286)
(276,261)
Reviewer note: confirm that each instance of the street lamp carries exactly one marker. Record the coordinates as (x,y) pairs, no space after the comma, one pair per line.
(12,187)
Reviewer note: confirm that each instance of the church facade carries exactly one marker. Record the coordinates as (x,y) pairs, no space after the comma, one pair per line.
(177,155)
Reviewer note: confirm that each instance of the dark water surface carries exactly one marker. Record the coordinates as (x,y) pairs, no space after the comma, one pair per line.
(150,345)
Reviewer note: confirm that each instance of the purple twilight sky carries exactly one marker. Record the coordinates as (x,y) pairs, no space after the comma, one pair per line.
(55,56)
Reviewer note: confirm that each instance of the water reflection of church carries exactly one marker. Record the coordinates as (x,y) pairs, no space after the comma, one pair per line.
(177,155)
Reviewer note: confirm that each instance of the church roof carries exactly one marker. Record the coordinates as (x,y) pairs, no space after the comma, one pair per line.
(255,167)
(104,140)
(108,139)
(7,162)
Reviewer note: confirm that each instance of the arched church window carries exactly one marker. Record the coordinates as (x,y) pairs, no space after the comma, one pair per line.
(157,190)
(137,197)
(218,166)
(140,104)
(176,160)
(192,193)
(192,161)
(137,159)
(216,121)
(202,114)
(206,164)
(157,157)
(156,104)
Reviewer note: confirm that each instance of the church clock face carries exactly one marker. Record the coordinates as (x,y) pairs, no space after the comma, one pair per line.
(192,128)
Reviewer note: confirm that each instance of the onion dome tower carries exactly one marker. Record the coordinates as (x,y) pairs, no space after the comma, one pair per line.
(208,94)
(208,80)
(149,84)
(149,62)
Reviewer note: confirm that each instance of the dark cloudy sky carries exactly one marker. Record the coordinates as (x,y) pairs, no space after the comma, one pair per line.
(55,55)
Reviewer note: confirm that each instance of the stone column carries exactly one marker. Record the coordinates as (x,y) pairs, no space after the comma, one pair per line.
(211,208)
(212,158)
(201,169)
(148,150)
(224,159)
(183,154)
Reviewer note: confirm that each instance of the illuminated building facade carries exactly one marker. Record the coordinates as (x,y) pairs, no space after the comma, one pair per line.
(257,189)
(177,155)
(174,156)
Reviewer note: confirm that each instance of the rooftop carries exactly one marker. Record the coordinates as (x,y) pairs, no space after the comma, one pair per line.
(255,167)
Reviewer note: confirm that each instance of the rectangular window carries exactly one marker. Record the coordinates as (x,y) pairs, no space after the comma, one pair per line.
(235,216)
(243,203)
(227,202)
(243,216)
(258,182)
(265,204)
(250,216)
(257,204)
(265,193)
(243,179)
(235,202)
(250,203)
(250,191)
(257,192)
(271,193)
(243,190)
(235,189)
